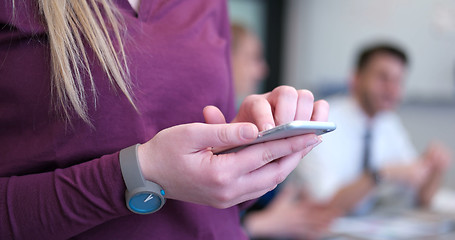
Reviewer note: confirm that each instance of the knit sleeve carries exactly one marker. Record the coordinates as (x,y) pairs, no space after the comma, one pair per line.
(62,203)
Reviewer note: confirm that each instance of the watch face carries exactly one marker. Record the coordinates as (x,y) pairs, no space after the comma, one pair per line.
(145,202)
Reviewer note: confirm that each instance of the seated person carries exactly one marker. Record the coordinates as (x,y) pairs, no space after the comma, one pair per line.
(375,148)
(248,64)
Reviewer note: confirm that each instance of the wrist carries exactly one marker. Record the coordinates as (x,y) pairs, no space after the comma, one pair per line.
(146,164)
(142,159)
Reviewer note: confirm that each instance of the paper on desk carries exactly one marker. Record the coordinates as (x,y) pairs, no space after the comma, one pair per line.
(444,201)
(390,227)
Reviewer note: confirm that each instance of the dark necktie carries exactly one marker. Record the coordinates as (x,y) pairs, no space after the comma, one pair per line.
(367,150)
(368,203)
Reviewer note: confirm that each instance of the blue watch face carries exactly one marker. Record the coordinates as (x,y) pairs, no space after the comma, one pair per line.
(144,202)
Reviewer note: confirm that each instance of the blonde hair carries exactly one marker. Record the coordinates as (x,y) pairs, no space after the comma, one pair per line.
(70,23)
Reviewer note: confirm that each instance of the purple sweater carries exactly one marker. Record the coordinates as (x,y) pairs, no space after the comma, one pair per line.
(58,181)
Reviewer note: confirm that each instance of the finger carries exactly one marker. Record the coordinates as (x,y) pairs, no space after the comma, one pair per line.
(260,111)
(320,111)
(304,105)
(437,154)
(258,155)
(213,115)
(443,153)
(264,180)
(272,174)
(431,151)
(284,104)
(442,159)
(201,136)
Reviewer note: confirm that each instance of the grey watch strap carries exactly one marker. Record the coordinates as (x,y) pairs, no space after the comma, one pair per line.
(131,171)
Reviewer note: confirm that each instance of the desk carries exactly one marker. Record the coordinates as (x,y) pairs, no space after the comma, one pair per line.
(390,225)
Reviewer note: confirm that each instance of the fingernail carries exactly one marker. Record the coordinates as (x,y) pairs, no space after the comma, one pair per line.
(248,132)
(319,141)
(267,126)
(314,141)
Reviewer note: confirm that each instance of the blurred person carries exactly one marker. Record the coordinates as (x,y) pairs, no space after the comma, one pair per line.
(376,164)
(279,213)
(289,214)
(248,64)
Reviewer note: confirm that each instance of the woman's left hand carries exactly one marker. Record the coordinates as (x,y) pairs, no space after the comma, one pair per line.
(282,105)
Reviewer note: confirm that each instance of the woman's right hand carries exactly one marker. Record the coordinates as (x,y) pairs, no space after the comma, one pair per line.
(181,161)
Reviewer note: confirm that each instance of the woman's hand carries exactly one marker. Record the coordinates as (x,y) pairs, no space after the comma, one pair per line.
(283,105)
(181,161)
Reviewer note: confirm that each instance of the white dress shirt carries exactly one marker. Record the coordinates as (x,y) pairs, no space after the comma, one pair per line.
(338,160)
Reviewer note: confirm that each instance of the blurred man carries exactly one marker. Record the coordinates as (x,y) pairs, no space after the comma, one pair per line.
(370,150)
(283,212)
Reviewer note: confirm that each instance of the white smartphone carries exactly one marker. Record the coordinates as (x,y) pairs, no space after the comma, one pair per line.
(291,129)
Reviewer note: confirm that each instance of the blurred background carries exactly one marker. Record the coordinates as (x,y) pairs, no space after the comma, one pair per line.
(312,44)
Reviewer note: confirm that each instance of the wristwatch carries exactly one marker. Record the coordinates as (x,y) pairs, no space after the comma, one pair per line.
(375,176)
(142,196)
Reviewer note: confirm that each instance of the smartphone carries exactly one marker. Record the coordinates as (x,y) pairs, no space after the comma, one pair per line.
(291,129)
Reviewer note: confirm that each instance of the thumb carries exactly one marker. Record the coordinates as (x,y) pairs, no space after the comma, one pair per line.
(222,135)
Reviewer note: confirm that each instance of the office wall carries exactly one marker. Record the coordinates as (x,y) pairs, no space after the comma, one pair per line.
(251,13)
